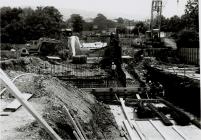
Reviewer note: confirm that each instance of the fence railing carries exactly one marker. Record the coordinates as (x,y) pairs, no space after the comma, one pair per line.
(181,70)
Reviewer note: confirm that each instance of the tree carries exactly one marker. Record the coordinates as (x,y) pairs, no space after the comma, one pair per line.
(164,24)
(49,21)
(135,31)
(175,24)
(141,26)
(120,21)
(191,18)
(77,22)
(88,26)
(19,25)
(11,27)
(188,39)
(101,22)
(121,29)
(110,24)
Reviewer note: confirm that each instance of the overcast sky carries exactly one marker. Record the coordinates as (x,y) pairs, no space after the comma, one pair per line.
(133,9)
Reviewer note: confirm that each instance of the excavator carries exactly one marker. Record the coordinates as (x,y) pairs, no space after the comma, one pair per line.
(36,46)
(40,46)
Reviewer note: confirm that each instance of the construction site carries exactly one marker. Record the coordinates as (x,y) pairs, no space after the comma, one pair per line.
(103,86)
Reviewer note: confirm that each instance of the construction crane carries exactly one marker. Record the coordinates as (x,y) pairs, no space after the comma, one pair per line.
(156,10)
(153,35)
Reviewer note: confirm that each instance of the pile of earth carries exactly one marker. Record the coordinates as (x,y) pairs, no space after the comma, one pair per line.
(41,66)
(52,95)
(28,64)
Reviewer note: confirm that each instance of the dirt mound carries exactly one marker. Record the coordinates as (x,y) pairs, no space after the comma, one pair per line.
(52,95)
(26,64)
(95,118)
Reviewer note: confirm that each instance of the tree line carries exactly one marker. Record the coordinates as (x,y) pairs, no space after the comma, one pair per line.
(99,23)
(20,25)
(185,29)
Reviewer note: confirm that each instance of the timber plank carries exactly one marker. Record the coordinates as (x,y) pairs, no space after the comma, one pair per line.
(117,89)
(133,125)
(14,105)
(167,131)
(149,131)
(124,111)
(5,113)
(191,132)
(132,134)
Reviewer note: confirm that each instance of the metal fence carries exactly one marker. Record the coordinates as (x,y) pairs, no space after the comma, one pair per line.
(189,55)
(158,52)
(180,70)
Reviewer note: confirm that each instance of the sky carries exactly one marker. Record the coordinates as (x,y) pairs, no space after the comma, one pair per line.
(131,9)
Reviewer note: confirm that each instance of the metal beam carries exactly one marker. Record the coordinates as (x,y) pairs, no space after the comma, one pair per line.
(164,119)
(179,132)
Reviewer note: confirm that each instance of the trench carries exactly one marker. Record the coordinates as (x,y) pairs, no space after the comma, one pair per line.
(181,91)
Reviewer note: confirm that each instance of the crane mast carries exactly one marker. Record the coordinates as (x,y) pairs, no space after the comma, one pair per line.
(156,12)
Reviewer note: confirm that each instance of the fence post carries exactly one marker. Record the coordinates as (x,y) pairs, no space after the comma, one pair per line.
(197,50)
